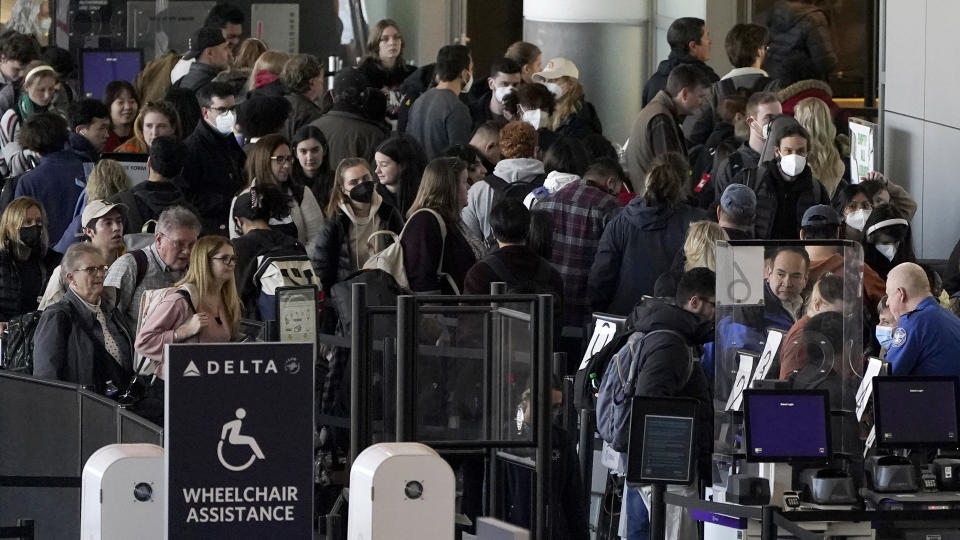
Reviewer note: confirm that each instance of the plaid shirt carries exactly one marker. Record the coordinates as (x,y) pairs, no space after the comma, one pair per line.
(580,213)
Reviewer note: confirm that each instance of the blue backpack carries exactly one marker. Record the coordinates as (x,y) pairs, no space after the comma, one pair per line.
(618,387)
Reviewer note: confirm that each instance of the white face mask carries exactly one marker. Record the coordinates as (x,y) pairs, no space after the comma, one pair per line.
(888,250)
(501,92)
(554,89)
(226,122)
(793,164)
(858,219)
(764,131)
(535,118)
(468,84)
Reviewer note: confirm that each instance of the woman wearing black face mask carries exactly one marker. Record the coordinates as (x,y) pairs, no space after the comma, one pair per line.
(355,212)
(23,244)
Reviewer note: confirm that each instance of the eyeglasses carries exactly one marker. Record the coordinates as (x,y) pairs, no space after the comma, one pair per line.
(94,269)
(282,159)
(179,245)
(226,259)
(222,110)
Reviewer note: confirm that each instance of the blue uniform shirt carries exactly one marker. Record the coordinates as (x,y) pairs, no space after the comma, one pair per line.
(926,341)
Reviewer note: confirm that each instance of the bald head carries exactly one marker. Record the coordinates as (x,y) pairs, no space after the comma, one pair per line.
(907,286)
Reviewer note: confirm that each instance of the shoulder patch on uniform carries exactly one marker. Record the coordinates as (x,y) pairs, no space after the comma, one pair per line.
(899,337)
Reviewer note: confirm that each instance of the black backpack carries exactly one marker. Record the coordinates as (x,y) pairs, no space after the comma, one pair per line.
(18,345)
(512,190)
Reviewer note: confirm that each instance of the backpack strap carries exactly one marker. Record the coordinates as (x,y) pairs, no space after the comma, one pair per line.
(498,184)
(140,256)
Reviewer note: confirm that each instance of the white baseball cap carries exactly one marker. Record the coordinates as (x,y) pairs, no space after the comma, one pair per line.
(556,68)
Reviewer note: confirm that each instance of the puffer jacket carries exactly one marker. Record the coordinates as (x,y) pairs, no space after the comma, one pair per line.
(800,43)
(636,247)
(333,257)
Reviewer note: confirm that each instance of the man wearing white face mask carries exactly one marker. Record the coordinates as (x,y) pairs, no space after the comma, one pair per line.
(785,186)
(762,108)
(213,170)
(504,77)
(438,119)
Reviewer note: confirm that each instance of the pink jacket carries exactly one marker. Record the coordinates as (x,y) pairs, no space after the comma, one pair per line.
(172,312)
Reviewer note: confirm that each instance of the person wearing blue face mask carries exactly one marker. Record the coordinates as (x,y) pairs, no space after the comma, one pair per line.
(885,327)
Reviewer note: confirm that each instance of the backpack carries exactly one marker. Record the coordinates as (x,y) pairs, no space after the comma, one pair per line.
(517,191)
(618,387)
(281,266)
(390,259)
(18,344)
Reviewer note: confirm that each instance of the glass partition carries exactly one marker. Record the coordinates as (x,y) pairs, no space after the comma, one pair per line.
(790,314)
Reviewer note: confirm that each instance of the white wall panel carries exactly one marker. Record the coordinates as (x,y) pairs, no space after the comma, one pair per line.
(941,221)
(903,164)
(942,71)
(906,23)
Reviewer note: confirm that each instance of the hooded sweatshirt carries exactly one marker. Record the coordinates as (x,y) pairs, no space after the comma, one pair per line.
(476,215)
(554,182)
(636,247)
(362,229)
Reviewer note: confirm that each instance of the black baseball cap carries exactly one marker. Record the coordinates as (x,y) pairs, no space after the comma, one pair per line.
(204,38)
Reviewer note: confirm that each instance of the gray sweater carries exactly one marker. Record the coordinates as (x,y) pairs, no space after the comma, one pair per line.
(438,120)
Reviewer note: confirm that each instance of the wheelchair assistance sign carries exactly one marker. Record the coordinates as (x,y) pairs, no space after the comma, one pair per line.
(239,440)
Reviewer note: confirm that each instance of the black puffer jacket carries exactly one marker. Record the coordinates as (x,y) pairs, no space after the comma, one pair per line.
(334,258)
(781,204)
(17,296)
(582,123)
(800,43)
(658,81)
(665,367)
(213,174)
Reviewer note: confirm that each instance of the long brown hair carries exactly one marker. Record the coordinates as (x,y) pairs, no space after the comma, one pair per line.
(666,180)
(569,104)
(373,40)
(439,189)
(200,275)
(336,190)
(258,166)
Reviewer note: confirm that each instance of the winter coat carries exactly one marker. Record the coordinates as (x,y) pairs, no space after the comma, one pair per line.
(698,126)
(350,134)
(146,200)
(199,75)
(333,257)
(781,204)
(800,43)
(212,174)
(582,123)
(655,131)
(302,112)
(666,369)
(56,182)
(16,297)
(636,247)
(658,81)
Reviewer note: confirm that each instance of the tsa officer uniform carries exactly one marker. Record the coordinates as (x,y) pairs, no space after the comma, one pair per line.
(926,341)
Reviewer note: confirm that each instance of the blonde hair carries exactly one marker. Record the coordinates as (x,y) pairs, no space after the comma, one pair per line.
(822,156)
(107,179)
(11,221)
(272,61)
(336,190)
(199,275)
(700,247)
(250,50)
(569,104)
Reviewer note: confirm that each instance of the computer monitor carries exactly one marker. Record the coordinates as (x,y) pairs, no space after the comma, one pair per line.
(99,67)
(916,412)
(791,426)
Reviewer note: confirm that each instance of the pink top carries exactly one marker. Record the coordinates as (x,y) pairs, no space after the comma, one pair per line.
(172,312)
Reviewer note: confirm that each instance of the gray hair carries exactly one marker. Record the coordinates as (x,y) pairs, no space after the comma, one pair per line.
(177,217)
(72,257)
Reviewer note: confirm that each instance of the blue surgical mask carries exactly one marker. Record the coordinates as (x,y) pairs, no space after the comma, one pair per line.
(885,336)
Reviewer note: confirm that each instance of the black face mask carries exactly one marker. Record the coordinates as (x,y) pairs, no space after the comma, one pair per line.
(362,192)
(30,236)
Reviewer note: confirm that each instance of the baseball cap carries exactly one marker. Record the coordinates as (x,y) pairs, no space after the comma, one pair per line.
(204,38)
(821,214)
(739,200)
(100,208)
(556,68)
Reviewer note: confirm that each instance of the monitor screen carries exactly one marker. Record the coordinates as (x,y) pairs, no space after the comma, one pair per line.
(787,426)
(98,68)
(899,402)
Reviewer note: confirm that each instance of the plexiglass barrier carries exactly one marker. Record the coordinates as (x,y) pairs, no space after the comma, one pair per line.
(790,314)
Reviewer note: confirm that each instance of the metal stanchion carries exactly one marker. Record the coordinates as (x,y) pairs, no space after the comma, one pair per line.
(658,512)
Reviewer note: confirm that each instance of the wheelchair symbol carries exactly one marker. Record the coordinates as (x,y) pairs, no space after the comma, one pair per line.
(231,433)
